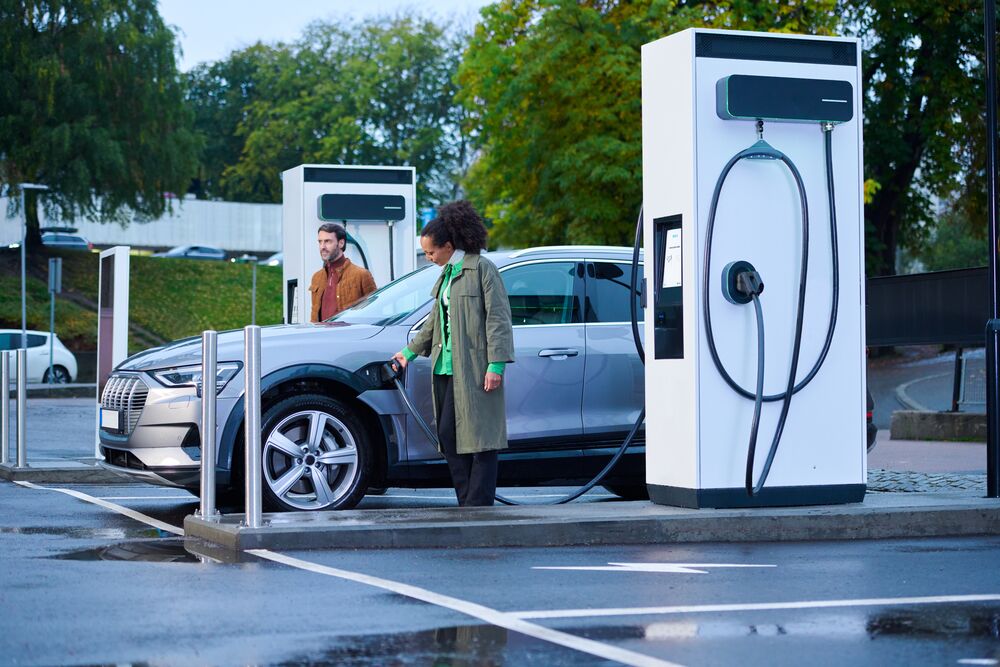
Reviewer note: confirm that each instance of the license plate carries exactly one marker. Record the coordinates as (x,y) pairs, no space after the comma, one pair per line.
(110,419)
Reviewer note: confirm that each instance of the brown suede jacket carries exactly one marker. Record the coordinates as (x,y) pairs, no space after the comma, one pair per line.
(354,283)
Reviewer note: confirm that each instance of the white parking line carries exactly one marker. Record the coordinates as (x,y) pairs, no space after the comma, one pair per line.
(760,606)
(487,614)
(132,514)
(185,497)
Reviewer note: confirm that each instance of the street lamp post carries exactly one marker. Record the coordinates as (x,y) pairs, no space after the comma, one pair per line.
(247,258)
(993,326)
(24,242)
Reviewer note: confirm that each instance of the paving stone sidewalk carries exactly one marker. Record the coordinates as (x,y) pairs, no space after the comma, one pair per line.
(896,481)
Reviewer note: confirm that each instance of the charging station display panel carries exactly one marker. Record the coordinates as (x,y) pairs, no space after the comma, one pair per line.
(669,294)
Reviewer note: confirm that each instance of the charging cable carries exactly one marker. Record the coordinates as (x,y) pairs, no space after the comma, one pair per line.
(742,284)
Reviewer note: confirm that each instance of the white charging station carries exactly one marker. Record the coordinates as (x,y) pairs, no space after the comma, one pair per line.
(703,92)
(376,204)
(112,322)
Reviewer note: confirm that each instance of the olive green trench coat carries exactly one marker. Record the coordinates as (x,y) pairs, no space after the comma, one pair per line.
(481,334)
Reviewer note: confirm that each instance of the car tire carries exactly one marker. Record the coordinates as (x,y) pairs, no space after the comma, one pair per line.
(315,455)
(628,491)
(59,375)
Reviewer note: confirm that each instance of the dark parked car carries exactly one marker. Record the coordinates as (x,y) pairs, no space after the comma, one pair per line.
(66,240)
(193,252)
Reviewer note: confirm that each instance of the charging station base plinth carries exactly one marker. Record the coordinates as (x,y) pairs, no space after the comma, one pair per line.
(776,496)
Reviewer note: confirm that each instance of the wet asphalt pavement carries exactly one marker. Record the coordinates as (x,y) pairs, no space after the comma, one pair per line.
(82,584)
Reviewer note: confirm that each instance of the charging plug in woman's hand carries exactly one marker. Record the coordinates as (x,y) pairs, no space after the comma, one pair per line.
(398,361)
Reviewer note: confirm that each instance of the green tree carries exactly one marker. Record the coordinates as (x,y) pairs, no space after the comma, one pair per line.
(376,92)
(91,105)
(219,95)
(554,93)
(924,89)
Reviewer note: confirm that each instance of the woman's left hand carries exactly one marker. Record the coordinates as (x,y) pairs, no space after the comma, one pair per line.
(492,381)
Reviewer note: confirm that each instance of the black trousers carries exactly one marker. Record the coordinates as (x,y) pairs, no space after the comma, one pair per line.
(474,476)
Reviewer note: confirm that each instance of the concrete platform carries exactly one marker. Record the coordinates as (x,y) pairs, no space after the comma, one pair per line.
(61,471)
(881,515)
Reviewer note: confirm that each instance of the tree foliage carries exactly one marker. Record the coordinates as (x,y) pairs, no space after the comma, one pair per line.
(553,88)
(92,106)
(376,92)
(923,102)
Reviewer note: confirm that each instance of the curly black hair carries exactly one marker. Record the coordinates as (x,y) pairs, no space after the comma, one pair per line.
(457,222)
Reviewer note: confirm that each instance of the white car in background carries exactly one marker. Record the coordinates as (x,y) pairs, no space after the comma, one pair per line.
(63,362)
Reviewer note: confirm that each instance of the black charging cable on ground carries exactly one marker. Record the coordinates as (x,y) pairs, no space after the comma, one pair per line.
(395,375)
(745,286)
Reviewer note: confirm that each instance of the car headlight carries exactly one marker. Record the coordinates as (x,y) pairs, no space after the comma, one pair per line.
(190,376)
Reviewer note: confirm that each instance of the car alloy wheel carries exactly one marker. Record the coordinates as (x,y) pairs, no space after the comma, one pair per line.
(314,455)
(59,375)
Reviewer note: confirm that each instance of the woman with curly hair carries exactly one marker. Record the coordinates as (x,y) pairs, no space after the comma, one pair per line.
(469,338)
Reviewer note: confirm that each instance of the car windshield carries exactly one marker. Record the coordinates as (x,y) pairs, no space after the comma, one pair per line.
(394,302)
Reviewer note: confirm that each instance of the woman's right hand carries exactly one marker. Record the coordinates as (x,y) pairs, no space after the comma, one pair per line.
(399,359)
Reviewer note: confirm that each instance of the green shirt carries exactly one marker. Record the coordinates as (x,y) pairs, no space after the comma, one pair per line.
(443,365)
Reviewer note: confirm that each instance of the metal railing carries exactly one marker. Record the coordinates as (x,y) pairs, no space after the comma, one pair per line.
(20,442)
(209,394)
(251,433)
(251,425)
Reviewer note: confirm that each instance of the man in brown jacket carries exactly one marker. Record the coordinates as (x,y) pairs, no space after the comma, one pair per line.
(339,283)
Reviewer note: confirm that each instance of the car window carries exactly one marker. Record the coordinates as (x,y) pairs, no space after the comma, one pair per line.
(542,293)
(608,292)
(394,302)
(7,341)
(36,340)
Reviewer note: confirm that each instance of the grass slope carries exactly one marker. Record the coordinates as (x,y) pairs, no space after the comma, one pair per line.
(172,298)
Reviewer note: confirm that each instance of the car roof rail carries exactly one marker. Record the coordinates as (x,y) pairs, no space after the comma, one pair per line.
(570,248)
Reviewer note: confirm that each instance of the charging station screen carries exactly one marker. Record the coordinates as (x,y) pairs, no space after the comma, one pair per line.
(106,323)
(672,260)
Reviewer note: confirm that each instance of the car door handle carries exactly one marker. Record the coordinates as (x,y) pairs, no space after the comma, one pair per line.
(558,353)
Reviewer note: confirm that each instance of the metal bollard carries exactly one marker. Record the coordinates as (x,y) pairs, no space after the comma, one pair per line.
(251,432)
(209,371)
(22,407)
(5,408)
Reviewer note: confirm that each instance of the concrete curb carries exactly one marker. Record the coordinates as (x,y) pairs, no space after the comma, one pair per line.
(938,426)
(62,472)
(889,515)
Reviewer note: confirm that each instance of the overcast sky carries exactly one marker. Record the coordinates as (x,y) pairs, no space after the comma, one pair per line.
(211,29)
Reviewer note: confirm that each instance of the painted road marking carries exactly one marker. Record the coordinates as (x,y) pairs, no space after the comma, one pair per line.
(487,614)
(132,514)
(186,497)
(662,568)
(978,661)
(760,606)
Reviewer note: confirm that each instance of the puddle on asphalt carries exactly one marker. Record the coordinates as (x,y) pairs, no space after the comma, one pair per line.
(155,551)
(938,622)
(932,622)
(462,646)
(85,533)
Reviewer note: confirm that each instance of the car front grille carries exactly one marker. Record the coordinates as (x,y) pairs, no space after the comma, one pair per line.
(127,394)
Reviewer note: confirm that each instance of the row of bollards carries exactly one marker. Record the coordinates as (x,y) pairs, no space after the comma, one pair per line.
(251,424)
(20,444)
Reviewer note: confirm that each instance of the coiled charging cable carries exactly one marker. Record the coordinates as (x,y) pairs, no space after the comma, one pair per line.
(749,284)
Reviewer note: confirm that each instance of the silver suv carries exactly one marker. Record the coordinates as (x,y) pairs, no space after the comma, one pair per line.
(334,426)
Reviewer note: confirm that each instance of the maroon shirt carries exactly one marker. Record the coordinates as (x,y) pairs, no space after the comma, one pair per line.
(331,305)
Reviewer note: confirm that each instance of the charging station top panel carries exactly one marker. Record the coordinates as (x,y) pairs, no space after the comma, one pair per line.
(362,207)
(348,175)
(776,49)
(788,99)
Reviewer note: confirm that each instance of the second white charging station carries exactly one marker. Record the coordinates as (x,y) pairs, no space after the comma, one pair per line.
(376,204)
(704,93)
